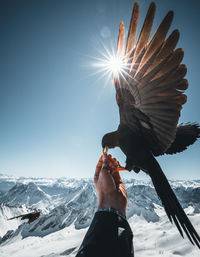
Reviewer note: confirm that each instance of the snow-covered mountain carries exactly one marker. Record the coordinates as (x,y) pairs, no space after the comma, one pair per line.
(8,212)
(29,195)
(69,205)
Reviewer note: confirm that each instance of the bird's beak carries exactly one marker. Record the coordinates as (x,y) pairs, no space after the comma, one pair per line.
(105,150)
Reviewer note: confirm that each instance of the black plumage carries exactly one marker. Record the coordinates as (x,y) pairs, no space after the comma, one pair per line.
(30,216)
(150,95)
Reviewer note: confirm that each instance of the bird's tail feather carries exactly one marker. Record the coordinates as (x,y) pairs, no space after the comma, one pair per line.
(186,135)
(171,204)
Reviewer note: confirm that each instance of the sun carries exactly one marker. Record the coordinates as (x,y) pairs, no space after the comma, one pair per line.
(115,64)
(110,64)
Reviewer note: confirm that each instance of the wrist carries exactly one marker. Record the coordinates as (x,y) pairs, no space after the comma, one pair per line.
(105,203)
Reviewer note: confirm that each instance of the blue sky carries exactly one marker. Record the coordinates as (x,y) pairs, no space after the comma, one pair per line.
(53,112)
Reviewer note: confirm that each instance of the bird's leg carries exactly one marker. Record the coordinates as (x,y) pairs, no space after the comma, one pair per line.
(120,167)
(130,166)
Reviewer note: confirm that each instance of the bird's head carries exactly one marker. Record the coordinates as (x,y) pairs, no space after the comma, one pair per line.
(110,140)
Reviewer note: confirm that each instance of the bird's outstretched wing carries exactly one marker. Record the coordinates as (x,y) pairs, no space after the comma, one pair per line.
(30,216)
(152,83)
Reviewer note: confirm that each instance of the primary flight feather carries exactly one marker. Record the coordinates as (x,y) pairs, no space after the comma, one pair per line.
(150,95)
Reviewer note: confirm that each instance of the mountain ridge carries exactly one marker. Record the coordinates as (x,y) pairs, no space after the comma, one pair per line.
(69,205)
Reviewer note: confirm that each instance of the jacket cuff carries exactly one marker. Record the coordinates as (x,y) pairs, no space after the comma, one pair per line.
(112,210)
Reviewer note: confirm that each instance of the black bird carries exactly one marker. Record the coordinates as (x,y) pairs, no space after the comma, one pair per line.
(149,93)
(30,216)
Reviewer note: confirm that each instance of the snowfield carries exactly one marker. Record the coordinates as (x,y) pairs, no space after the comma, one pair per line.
(67,207)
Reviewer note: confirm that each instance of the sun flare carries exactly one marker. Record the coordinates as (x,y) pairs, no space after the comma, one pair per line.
(110,64)
(115,64)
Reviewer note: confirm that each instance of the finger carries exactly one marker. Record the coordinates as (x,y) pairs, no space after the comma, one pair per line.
(117,178)
(105,176)
(111,160)
(106,159)
(98,168)
(106,169)
(114,164)
(100,161)
(117,165)
(106,166)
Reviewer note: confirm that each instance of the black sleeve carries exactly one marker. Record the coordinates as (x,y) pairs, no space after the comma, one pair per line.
(108,235)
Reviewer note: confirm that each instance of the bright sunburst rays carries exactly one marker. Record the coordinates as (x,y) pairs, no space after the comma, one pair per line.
(109,65)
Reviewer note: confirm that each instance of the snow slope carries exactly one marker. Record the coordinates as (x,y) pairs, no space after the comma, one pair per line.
(67,207)
(150,239)
(7,212)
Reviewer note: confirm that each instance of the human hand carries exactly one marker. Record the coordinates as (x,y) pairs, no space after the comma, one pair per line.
(109,185)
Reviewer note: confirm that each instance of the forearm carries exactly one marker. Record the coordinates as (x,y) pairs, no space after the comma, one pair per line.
(109,235)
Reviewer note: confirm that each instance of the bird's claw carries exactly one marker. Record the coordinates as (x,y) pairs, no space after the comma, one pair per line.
(120,167)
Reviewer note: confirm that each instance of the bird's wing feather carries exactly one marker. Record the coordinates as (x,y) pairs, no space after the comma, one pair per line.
(154,77)
(132,29)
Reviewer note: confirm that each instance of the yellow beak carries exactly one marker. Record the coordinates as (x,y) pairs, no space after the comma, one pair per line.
(105,150)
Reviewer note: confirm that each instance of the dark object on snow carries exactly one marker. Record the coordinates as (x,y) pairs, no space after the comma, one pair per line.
(108,235)
(30,216)
(149,93)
